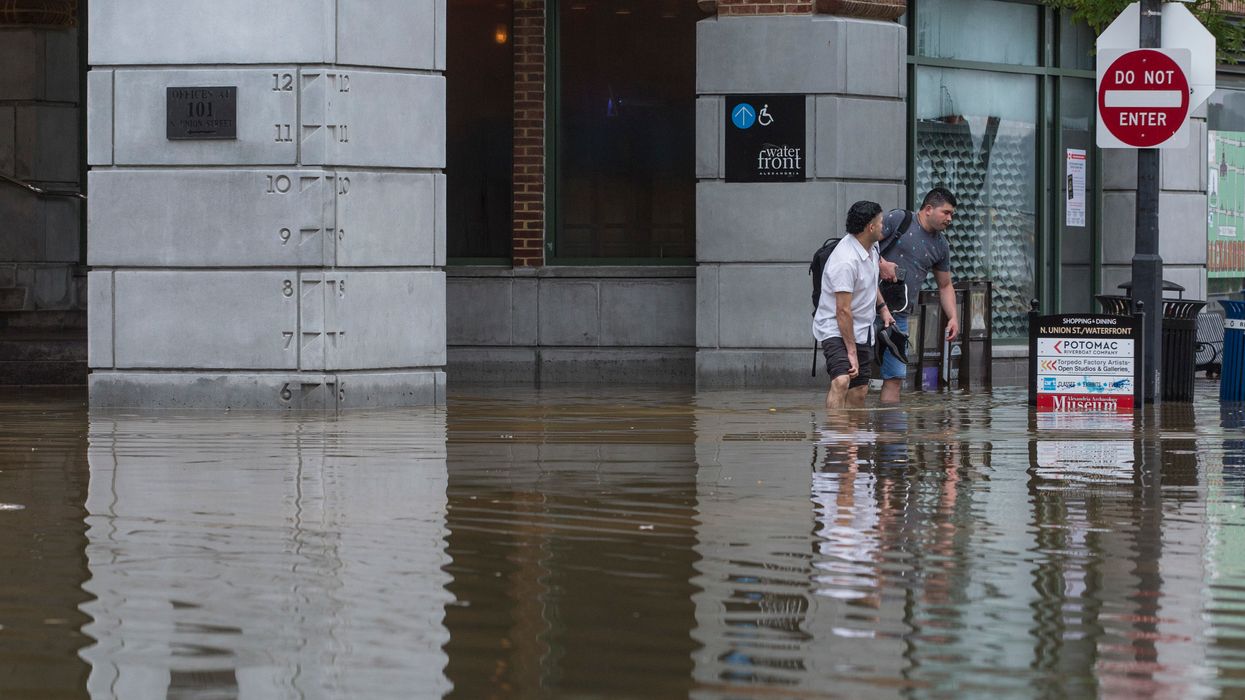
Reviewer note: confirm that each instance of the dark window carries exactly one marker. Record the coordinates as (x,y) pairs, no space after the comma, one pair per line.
(479,114)
(625,149)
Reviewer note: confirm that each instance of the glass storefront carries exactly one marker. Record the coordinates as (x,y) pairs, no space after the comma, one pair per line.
(977,136)
(1005,121)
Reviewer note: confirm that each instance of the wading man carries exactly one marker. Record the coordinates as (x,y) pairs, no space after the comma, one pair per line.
(920,248)
(843,322)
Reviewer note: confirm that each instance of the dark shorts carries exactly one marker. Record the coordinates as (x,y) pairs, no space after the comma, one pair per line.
(838,365)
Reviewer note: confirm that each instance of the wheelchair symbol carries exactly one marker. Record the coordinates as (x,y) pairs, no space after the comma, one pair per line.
(764,118)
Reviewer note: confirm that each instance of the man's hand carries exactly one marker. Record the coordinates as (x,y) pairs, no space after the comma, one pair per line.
(887,318)
(953,329)
(888,270)
(855,365)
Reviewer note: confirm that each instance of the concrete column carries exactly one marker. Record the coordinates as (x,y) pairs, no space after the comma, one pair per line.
(754,241)
(1182,213)
(297,265)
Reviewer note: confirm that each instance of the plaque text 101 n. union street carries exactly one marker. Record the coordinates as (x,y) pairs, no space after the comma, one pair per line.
(202,112)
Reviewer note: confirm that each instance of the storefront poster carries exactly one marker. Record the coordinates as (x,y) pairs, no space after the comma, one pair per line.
(1075,163)
(1225,231)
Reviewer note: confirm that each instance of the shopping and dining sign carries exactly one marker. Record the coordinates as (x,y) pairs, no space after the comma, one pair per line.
(1085,363)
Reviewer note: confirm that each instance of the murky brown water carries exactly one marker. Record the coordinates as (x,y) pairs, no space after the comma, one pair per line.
(622,543)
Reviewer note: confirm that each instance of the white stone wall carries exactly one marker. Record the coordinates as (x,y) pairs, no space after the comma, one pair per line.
(754,241)
(299,265)
(632,325)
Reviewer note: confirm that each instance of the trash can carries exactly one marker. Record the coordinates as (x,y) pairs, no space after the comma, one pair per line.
(926,332)
(1179,348)
(965,362)
(1232,380)
(976,332)
(1179,338)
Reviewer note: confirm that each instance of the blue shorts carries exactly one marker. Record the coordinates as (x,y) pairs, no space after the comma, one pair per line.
(892,368)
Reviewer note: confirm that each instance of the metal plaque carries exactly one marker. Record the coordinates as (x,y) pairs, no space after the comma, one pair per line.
(765,138)
(202,112)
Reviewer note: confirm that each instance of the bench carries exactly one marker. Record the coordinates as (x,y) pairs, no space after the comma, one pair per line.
(1209,348)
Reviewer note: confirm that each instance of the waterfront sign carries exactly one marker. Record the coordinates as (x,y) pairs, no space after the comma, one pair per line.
(1085,363)
(1143,98)
(201,113)
(765,138)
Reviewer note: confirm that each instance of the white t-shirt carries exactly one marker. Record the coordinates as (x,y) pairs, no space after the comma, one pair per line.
(850,268)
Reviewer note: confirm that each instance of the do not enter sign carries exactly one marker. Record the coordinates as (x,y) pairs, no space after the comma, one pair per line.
(1143,98)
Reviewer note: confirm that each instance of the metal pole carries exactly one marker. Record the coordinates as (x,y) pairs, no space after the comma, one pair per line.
(1147,265)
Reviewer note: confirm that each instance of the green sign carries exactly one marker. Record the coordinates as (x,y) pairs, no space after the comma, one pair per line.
(1225,231)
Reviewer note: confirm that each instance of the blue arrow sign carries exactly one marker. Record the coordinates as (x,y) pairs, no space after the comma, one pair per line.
(744,115)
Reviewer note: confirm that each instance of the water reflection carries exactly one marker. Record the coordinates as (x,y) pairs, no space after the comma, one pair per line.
(266,556)
(621,543)
(572,523)
(43,483)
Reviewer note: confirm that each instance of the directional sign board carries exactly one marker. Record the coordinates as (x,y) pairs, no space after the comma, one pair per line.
(1143,98)
(1181,30)
(1085,363)
(765,138)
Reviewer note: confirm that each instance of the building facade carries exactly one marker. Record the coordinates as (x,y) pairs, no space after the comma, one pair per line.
(544,190)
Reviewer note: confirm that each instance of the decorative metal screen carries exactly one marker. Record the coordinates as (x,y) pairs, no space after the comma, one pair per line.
(990,166)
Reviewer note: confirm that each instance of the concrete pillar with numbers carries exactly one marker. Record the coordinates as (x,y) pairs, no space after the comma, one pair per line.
(291,258)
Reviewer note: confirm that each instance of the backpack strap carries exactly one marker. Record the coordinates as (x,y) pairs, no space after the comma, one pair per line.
(903,229)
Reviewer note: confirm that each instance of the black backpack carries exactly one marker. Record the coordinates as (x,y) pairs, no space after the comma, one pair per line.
(818,265)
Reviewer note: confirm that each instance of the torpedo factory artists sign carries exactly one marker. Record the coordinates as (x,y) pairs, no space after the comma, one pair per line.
(765,139)
(1085,363)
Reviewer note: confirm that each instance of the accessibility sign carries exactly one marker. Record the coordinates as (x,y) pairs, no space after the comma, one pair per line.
(765,138)
(1084,363)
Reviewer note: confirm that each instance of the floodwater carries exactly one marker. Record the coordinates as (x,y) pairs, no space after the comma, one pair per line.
(616,542)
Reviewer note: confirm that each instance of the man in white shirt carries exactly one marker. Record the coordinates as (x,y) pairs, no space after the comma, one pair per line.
(848,305)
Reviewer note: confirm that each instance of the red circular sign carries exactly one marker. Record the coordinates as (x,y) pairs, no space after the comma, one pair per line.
(1143,98)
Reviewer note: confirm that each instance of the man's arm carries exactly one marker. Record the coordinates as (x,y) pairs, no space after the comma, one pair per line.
(946,295)
(843,314)
(889,271)
(887,319)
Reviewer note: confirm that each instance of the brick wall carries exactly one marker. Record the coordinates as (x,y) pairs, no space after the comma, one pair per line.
(529,133)
(727,8)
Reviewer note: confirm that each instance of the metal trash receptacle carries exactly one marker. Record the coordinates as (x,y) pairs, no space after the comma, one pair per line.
(1178,336)
(1232,379)
(1179,348)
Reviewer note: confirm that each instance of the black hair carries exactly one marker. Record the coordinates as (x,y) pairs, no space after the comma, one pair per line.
(937,197)
(861,213)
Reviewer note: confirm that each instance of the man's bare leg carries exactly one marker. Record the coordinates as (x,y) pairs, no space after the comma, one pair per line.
(856,396)
(837,396)
(890,391)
